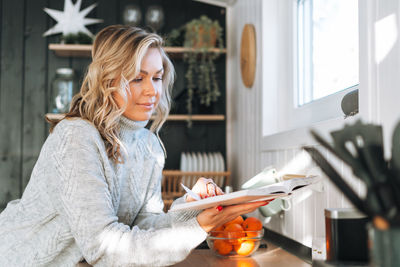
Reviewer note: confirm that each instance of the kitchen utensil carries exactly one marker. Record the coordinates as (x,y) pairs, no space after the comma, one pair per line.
(358,170)
(338,180)
(353,135)
(367,139)
(355,164)
(367,143)
(395,161)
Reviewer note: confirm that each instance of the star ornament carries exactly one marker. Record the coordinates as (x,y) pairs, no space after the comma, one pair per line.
(71,20)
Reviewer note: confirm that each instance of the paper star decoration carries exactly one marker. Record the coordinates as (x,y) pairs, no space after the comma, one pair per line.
(71,20)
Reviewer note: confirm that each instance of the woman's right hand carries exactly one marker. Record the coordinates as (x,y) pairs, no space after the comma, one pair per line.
(214,217)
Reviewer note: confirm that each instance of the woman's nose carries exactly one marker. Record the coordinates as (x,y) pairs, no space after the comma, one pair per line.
(150,89)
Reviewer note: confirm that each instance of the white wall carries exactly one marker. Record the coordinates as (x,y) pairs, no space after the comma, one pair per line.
(247,153)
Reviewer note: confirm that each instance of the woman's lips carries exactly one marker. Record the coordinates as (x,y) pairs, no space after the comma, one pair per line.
(146,105)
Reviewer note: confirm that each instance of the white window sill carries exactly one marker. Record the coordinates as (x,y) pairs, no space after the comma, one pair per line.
(301,136)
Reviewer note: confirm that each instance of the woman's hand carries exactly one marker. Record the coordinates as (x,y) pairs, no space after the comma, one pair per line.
(205,188)
(214,217)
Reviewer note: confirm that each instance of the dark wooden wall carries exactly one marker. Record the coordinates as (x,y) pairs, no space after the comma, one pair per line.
(27,68)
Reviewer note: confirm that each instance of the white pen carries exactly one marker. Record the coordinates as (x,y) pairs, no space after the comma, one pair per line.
(190,192)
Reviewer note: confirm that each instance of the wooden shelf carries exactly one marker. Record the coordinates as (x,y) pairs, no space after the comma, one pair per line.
(71,50)
(76,50)
(172,117)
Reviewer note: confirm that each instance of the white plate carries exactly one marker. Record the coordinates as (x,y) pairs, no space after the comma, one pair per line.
(216,162)
(220,179)
(205,162)
(189,162)
(218,158)
(184,166)
(194,163)
(216,167)
(183,162)
(200,164)
(210,160)
(221,158)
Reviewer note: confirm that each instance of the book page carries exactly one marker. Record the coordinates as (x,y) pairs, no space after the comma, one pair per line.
(263,193)
(225,200)
(287,186)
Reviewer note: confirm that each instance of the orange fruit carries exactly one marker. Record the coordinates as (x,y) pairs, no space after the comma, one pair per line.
(218,234)
(216,231)
(219,228)
(234,232)
(222,247)
(245,248)
(252,224)
(238,220)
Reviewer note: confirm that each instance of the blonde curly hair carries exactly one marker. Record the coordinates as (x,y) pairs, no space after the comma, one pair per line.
(117,53)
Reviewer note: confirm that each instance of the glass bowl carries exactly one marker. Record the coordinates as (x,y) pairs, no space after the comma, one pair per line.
(234,244)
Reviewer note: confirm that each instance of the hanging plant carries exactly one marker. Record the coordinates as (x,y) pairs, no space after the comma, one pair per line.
(79,38)
(200,36)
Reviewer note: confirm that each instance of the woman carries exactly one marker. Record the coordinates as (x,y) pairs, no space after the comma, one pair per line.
(95,191)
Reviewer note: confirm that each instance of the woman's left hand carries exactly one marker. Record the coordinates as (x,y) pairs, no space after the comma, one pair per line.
(205,188)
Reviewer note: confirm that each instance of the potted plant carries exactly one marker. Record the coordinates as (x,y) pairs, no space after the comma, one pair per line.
(201,35)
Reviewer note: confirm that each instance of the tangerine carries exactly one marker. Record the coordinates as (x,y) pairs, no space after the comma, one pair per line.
(252,224)
(222,247)
(219,228)
(238,220)
(235,233)
(245,248)
(216,231)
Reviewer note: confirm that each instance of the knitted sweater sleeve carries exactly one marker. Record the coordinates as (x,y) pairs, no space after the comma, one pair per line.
(85,201)
(152,215)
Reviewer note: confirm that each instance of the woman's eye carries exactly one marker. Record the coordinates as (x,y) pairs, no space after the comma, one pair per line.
(137,80)
(157,78)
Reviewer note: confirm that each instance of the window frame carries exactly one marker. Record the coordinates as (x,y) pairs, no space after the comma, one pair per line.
(289,124)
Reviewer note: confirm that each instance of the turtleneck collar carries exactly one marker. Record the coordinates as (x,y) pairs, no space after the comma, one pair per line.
(128,127)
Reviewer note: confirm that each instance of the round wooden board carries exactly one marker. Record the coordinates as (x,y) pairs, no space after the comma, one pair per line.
(248,55)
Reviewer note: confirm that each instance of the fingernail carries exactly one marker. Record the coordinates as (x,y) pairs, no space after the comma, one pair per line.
(219,208)
(206,197)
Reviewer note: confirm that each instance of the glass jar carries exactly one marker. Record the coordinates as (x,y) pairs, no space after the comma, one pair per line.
(62,90)
(384,246)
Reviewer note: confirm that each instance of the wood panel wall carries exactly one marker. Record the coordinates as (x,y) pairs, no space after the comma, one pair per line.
(27,69)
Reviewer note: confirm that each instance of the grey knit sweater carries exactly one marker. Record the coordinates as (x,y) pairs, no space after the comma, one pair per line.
(79,205)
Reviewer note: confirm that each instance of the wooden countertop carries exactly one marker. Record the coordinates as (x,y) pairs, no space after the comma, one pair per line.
(270,256)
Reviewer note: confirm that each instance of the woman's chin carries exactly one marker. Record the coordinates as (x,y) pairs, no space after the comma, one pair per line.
(139,117)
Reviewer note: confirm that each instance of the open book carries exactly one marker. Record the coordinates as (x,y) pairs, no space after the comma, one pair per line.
(272,191)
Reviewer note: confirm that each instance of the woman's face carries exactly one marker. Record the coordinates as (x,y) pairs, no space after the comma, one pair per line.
(145,89)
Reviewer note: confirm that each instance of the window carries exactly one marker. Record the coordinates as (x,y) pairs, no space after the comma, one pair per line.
(327,48)
(310,62)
